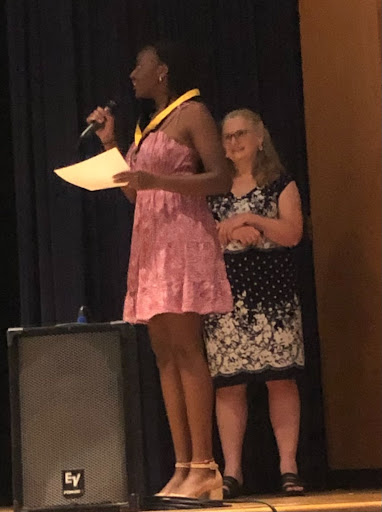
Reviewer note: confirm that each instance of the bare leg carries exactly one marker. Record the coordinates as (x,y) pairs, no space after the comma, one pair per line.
(187,390)
(186,340)
(284,410)
(232,415)
(173,398)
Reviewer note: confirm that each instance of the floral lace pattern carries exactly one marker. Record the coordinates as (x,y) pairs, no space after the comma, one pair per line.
(263,333)
(250,340)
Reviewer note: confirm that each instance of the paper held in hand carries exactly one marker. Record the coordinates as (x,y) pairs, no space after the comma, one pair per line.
(95,173)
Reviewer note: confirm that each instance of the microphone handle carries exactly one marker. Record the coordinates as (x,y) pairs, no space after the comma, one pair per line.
(94,126)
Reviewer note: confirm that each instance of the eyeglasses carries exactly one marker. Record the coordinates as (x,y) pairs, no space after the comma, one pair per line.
(238,135)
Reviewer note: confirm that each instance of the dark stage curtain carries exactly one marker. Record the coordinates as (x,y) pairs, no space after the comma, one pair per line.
(68,56)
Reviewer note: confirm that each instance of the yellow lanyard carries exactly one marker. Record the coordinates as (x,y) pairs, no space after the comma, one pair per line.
(162,115)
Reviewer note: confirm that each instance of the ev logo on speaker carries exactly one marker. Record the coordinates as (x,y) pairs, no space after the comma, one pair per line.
(73,483)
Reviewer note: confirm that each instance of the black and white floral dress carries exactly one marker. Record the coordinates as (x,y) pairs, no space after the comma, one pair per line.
(262,336)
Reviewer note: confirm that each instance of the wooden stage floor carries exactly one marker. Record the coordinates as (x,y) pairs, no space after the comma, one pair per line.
(331,501)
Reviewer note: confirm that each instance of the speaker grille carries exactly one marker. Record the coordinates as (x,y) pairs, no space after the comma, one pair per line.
(72,417)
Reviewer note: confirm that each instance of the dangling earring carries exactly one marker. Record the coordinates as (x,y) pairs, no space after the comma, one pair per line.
(261,148)
(160,79)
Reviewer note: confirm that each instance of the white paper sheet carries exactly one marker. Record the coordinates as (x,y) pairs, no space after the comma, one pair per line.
(95,173)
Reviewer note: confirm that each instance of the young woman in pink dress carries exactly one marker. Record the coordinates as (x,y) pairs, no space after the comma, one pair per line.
(176,271)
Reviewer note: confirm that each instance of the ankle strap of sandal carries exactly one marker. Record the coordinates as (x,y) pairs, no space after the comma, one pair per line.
(182,464)
(208,464)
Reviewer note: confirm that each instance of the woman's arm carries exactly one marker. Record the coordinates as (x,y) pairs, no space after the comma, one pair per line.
(106,134)
(202,131)
(199,127)
(246,235)
(287,229)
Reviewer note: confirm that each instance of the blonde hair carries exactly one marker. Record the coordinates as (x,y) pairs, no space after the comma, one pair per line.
(267,167)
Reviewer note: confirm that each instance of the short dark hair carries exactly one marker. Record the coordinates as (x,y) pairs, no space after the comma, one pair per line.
(182,62)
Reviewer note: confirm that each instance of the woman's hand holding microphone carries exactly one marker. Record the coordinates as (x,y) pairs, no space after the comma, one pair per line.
(105,128)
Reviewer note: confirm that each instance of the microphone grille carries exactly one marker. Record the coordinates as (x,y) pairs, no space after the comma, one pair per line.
(111,104)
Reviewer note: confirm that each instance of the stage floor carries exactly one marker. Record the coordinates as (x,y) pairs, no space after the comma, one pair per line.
(333,501)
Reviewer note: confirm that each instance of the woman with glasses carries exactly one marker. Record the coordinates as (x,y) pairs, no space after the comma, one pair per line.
(258,222)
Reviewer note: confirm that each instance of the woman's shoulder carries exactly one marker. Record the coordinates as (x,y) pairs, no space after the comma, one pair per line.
(281,182)
(196,121)
(194,110)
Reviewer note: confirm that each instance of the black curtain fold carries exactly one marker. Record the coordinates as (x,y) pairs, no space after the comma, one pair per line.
(65,58)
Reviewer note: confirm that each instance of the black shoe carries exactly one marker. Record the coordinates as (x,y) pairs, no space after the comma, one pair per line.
(231,488)
(288,482)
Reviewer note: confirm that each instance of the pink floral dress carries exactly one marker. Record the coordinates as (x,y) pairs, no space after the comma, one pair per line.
(176,263)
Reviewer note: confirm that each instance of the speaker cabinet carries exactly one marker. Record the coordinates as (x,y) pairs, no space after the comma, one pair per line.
(75,417)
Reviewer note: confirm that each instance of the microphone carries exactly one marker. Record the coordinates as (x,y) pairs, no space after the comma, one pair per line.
(94,126)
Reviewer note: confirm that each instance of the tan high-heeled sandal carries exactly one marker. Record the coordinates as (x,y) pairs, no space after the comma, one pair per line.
(177,465)
(209,490)
(214,492)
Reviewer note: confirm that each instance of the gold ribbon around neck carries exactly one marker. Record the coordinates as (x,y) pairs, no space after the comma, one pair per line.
(139,134)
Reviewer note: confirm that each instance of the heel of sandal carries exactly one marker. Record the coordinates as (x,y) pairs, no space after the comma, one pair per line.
(213,491)
(214,494)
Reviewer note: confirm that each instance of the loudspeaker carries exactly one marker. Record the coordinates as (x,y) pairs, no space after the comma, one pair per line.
(75,417)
